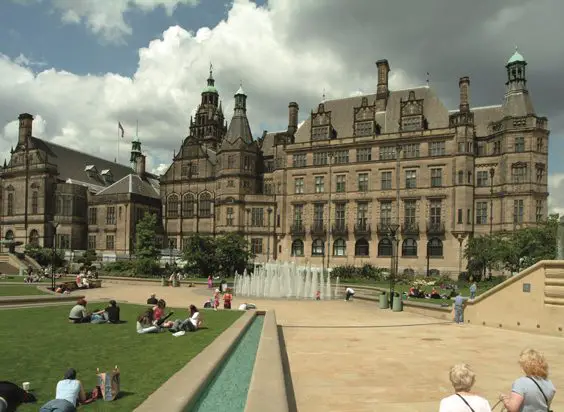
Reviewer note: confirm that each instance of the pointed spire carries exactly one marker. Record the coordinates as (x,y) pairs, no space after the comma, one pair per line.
(516,57)
(240,91)
(5,164)
(12,150)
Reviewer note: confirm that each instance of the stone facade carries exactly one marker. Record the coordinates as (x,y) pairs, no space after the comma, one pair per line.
(53,195)
(354,170)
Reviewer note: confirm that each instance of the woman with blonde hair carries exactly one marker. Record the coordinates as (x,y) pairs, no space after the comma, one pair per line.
(534,391)
(462,378)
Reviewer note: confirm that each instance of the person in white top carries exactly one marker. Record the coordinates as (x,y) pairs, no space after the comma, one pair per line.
(462,378)
(349,293)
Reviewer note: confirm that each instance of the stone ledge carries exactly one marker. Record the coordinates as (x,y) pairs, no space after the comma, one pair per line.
(17,300)
(267,391)
(183,389)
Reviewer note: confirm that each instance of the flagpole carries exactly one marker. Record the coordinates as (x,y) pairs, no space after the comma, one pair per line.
(118,143)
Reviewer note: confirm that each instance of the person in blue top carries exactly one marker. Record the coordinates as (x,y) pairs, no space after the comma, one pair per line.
(473,290)
(69,392)
(459,302)
(533,392)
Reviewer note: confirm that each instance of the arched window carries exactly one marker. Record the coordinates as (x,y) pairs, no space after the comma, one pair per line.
(172,206)
(188,205)
(34,238)
(34,202)
(318,247)
(297,248)
(385,247)
(409,247)
(435,247)
(339,247)
(205,205)
(10,206)
(361,247)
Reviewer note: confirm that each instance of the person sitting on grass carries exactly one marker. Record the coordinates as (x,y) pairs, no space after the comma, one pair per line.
(69,392)
(159,314)
(152,299)
(108,315)
(435,294)
(12,396)
(147,323)
(191,324)
(78,313)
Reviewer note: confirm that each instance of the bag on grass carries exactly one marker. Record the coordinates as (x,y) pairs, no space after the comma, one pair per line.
(109,383)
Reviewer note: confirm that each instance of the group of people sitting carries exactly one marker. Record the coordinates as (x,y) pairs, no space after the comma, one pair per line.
(79,313)
(415,292)
(531,392)
(33,277)
(154,319)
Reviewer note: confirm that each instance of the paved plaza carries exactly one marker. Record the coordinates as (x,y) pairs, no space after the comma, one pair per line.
(352,356)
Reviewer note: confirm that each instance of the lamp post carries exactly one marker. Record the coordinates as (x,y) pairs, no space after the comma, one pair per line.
(492,174)
(393,228)
(269,210)
(329,213)
(53,254)
(428,258)
(170,246)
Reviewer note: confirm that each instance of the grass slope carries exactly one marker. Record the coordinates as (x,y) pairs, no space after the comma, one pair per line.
(20,290)
(38,345)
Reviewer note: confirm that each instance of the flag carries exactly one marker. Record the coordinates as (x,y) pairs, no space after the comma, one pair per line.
(120,128)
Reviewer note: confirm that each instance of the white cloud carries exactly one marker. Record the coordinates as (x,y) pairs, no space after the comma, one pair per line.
(556,190)
(253,44)
(83,111)
(106,17)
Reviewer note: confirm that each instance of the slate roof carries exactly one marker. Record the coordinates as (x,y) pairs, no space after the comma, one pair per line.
(238,134)
(437,115)
(147,186)
(71,164)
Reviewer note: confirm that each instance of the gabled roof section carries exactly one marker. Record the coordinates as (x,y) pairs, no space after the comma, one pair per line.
(133,184)
(73,164)
(342,113)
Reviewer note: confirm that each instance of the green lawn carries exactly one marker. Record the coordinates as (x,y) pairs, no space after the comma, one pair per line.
(20,290)
(39,345)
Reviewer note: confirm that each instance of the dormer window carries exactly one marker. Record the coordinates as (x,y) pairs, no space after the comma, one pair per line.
(91,171)
(364,128)
(107,176)
(320,133)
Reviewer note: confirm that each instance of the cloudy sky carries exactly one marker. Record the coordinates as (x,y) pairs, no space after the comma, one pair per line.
(80,66)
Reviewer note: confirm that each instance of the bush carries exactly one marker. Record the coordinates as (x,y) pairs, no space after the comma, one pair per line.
(120,268)
(367,272)
(147,267)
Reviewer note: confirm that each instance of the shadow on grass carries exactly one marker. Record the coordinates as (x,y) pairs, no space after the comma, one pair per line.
(124,394)
(292,406)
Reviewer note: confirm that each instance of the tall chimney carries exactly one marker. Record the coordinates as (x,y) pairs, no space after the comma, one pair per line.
(464,86)
(26,125)
(383,70)
(293,110)
(140,165)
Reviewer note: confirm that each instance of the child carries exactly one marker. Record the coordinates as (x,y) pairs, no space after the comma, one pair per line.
(227,298)
(318,295)
(216,299)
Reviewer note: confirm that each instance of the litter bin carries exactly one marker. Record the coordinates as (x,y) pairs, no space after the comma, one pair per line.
(384,300)
(398,303)
(175,283)
(163,281)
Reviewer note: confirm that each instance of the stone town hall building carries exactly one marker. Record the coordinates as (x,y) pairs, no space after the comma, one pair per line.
(356,167)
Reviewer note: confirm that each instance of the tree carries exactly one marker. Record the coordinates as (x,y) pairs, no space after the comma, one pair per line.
(232,253)
(199,253)
(482,253)
(88,258)
(513,251)
(44,256)
(221,255)
(146,246)
(527,246)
